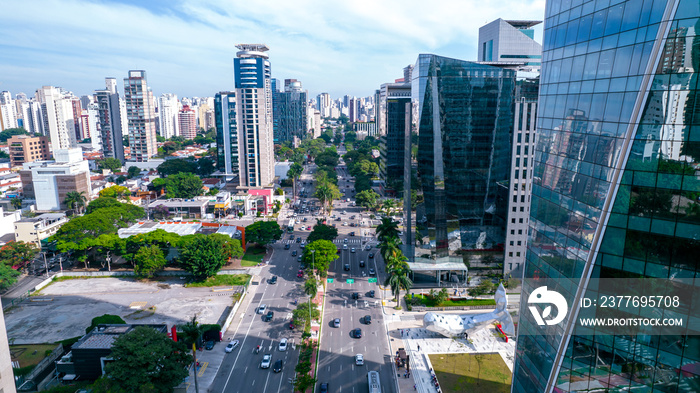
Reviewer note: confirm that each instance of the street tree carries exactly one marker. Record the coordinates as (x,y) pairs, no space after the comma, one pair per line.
(326,194)
(367,199)
(133,171)
(75,200)
(145,360)
(118,192)
(263,232)
(113,164)
(397,278)
(148,261)
(301,313)
(201,255)
(319,254)
(101,203)
(183,185)
(295,170)
(232,247)
(322,232)
(205,166)
(8,276)
(179,165)
(16,202)
(387,229)
(311,287)
(17,253)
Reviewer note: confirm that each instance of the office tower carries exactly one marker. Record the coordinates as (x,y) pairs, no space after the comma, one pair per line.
(614,194)
(141,116)
(455,212)
(510,41)
(57,111)
(168,109)
(227,138)
(393,124)
(254,95)
(187,123)
(24,148)
(110,120)
(290,112)
(353,109)
(48,182)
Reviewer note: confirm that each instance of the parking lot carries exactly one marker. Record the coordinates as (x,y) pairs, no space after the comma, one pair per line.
(64,309)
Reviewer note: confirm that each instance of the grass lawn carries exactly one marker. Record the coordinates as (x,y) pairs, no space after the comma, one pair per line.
(222,280)
(253,256)
(429,302)
(30,355)
(473,373)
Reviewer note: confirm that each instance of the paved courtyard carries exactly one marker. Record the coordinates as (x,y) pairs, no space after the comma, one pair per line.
(64,309)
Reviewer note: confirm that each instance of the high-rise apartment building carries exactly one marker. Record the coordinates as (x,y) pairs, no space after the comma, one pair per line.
(187,122)
(24,148)
(323,101)
(394,117)
(140,113)
(456,213)
(227,139)
(168,110)
(8,115)
(511,41)
(57,110)
(614,195)
(109,118)
(290,112)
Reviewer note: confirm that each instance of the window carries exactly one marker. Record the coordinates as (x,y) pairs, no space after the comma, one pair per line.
(520,221)
(520,231)
(511,242)
(510,254)
(520,243)
(517,254)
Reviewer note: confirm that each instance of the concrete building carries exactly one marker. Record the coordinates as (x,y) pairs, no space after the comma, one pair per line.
(140,112)
(187,122)
(48,182)
(8,115)
(24,148)
(168,110)
(36,229)
(7,377)
(57,110)
(323,101)
(510,41)
(109,118)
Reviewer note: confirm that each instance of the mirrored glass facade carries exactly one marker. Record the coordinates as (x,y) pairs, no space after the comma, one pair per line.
(615,189)
(454,200)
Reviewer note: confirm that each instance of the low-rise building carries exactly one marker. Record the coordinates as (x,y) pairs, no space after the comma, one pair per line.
(184,208)
(36,229)
(48,182)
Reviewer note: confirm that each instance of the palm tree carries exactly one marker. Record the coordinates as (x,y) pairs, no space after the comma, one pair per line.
(387,229)
(389,248)
(294,171)
(75,200)
(192,331)
(311,287)
(398,279)
(387,205)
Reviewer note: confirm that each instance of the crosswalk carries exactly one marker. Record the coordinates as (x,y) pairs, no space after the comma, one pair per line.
(351,240)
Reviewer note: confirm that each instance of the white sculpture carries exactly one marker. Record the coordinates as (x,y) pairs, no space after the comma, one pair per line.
(450,325)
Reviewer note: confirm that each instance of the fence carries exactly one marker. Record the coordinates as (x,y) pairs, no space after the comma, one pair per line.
(488,307)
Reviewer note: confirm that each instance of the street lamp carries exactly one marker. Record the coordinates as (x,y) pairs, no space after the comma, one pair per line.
(46,265)
(109,268)
(313,268)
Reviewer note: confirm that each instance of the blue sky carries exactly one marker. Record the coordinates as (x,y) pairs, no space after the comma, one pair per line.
(187,47)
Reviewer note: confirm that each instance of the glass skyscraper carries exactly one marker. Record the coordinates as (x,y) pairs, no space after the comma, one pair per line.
(452,195)
(615,191)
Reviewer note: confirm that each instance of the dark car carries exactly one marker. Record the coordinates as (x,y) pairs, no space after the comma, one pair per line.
(286,246)
(357,333)
(273,280)
(209,345)
(362,263)
(352,234)
(294,253)
(368,319)
(371,272)
(371,255)
(268,317)
(323,388)
(305,219)
(291,237)
(371,293)
(298,240)
(278,366)
(346,267)
(355,295)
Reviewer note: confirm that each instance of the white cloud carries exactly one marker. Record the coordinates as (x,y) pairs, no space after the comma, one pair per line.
(339,47)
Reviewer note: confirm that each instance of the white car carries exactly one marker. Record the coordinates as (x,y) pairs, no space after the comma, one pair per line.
(352,249)
(267,359)
(262,309)
(231,346)
(359,360)
(345,246)
(283,345)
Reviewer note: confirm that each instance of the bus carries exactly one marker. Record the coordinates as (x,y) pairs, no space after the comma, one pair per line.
(373,381)
(290,226)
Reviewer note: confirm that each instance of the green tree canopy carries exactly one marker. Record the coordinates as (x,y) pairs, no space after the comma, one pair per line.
(328,158)
(75,200)
(148,261)
(8,276)
(367,199)
(179,165)
(205,166)
(201,255)
(324,252)
(10,132)
(263,232)
(17,253)
(158,184)
(101,203)
(145,360)
(133,171)
(105,319)
(232,247)
(322,232)
(183,185)
(113,164)
(115,192)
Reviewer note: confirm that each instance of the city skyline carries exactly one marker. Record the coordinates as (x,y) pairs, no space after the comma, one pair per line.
(188,48)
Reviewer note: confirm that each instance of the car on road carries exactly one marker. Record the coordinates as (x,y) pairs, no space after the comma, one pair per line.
(368,247)
(371,255)
(323,388)
(345,246)
(268,317)
(359,360)
(298,239)
(291,237)
(336,323)
(209,345)
(357,333)
(362,263)
(262,309)
(267,359)
(368,319)
(308,228)
(305,219)
(346,267)
(299,258)
(352,249)
(355,295)
(303,245)
(286,246)
(294,253)
(300,274)
(278,366)
(273,280)
(231,346)
(371,293)
(371,271)
(345,241)
(283,345)
(337,219)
